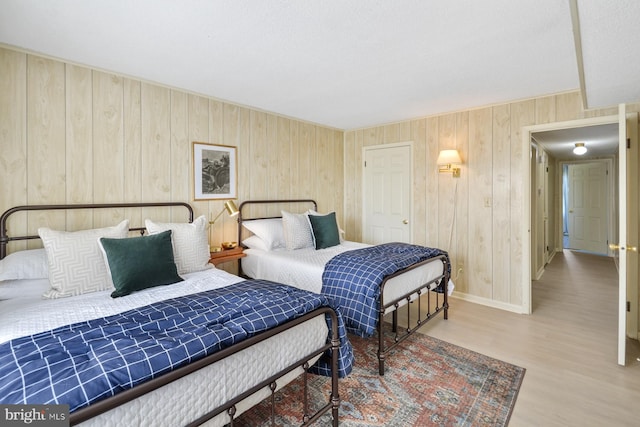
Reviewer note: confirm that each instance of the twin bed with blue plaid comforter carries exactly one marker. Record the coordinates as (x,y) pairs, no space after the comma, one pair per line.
(86,362)
(352,280)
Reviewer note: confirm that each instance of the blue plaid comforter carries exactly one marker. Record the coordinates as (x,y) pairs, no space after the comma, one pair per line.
(85,362)
(352,280)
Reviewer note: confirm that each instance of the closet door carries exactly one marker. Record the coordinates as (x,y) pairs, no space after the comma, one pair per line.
(387,194)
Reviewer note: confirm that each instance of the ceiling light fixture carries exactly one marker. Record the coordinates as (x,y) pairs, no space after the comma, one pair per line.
(579,149)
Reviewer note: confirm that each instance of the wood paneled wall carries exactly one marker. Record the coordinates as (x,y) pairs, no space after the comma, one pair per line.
(480,213)
(70,134)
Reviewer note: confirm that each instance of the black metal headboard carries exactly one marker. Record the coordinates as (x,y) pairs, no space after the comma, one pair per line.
(5,239)
(244,207)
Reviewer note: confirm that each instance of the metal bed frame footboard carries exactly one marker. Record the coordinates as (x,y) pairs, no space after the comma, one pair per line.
(441,304)
(333,345)
(333,402)
(408,299)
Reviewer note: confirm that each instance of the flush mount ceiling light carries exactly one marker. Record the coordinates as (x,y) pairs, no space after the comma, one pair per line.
(579,149)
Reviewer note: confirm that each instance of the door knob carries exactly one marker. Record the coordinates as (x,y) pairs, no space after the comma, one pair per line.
(405,221)
(614,247)
(570,211)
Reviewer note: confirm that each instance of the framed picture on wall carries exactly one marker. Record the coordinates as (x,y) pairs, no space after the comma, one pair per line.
(215,172)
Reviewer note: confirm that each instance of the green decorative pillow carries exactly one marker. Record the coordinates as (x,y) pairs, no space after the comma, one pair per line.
(138,263)
(325,230)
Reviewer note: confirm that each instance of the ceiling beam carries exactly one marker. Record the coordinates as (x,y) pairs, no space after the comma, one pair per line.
(577,39)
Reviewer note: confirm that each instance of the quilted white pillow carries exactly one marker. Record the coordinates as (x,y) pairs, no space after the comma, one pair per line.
(297,231)
(190,243)
(269,230)
(76,265)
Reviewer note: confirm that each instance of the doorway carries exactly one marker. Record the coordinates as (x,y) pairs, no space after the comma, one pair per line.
(555,141)
(624,121)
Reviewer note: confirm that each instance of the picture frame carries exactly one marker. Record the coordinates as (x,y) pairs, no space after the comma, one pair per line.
(215,172)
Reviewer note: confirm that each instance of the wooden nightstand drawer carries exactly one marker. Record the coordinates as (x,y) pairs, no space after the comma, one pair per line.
(226,255)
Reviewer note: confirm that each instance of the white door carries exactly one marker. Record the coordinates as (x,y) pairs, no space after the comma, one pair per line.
(587,219)
(548,232)
(633,226)
(387,194)
(622,234)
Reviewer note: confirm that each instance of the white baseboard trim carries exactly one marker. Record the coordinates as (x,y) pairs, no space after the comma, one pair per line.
(553,253)
(539,273)
(489,302)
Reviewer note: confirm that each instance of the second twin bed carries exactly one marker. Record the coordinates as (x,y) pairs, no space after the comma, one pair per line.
(366,282)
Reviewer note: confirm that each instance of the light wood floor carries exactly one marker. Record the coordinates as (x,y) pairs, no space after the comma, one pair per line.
(568,346)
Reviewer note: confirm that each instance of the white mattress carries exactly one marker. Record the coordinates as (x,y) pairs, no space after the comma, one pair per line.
(190,397)
(303,269)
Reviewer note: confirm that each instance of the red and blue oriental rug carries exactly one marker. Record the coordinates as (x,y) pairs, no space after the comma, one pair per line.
(428,382)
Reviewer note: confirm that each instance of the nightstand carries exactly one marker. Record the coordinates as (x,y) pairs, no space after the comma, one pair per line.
(227,255)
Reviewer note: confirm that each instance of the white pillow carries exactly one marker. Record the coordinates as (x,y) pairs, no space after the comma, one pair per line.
(269,230)
(190,243)
(29,264)
(297,231)
(76,265)
(255,242)
(24,288)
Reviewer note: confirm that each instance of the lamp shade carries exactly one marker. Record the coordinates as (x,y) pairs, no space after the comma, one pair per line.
(449,157)
(231,208)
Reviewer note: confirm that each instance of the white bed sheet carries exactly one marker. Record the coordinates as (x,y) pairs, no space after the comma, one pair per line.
(190,397)
(303,269)
(33,314)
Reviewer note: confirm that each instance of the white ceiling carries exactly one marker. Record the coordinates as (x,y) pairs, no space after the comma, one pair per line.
(345,63)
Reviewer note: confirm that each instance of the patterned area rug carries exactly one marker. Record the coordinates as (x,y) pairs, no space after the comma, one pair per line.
(427,382)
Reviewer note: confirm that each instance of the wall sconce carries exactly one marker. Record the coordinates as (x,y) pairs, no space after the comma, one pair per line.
(231,209)
(579,149)
(446,160)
